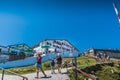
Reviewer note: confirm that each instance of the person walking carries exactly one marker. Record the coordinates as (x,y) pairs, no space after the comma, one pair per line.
(52,64)
(38,64)
(65,64)
(59,62)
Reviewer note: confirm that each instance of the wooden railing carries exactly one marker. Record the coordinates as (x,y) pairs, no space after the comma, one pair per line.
(85,74)
(80,71)
(3,71)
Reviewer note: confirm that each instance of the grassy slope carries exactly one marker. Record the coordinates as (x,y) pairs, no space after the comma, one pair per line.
(104,73)
(82,62)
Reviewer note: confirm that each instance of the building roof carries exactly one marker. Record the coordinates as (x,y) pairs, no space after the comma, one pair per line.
(67,43)
(3,46)
(108,50)
(19,45)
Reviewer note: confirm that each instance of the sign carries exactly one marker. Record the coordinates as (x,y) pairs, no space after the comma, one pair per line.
(45,46)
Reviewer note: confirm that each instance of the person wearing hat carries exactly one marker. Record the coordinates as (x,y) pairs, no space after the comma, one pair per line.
(38,63)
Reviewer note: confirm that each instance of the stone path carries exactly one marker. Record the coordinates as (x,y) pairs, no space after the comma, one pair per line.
(57,76)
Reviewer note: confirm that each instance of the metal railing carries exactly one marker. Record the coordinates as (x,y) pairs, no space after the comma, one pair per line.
(3,73)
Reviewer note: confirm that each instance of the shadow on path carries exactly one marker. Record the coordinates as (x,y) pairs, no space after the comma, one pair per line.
(46,77)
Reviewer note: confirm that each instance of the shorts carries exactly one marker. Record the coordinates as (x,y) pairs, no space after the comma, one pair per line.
(52,67)
(59,63)
(38,65)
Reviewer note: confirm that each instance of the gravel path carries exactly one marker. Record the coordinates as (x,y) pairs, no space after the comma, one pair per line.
(57,76)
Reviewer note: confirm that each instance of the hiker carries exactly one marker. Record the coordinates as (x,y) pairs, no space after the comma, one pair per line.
(52,64)
(65,64)
(59,62)
(97,57)
(100,57)
(108,59)
(38,64)
(106,56)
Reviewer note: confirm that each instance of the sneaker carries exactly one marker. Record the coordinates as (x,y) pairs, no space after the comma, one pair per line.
(59,72)
(51,72)
(45,76)
(36,77)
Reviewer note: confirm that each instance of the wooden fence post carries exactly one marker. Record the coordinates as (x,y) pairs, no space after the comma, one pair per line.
(2,74)
(76,76)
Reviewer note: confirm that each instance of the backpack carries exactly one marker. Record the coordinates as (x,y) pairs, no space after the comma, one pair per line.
(59,60)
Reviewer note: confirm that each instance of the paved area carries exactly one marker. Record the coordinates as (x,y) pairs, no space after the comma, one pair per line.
(57,76)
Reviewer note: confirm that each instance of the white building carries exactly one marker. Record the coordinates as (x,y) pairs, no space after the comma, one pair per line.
(4,58)
(113,53)
(3,50)
(56,46)
(20,48)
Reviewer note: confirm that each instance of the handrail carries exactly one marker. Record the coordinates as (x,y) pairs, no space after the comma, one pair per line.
(79,70)
(87,75)
(24,78)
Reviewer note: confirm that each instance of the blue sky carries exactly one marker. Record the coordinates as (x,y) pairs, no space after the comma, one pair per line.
(85,23)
